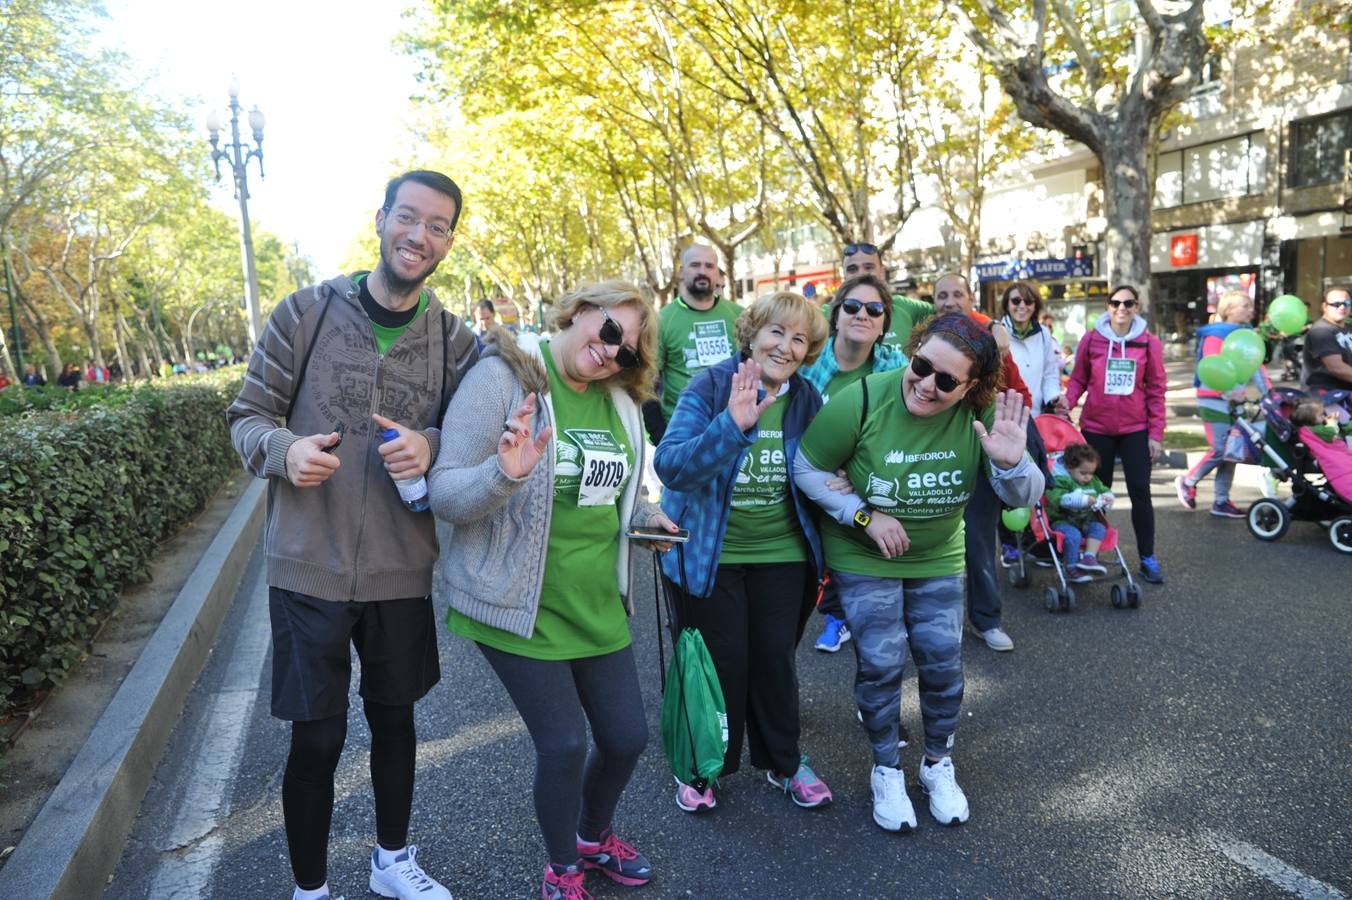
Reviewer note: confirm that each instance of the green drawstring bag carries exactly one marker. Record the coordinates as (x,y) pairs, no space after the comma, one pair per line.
(694,715)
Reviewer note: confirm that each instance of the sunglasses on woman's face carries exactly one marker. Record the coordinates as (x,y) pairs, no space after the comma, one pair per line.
(611,333)
(851,307)
(1128,303)
(923,368)
(1020,300)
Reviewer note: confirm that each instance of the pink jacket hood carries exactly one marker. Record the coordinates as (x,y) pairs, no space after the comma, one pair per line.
(1103,413)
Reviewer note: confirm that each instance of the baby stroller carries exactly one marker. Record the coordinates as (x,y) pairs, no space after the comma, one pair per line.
(1043,546)
(1320,474)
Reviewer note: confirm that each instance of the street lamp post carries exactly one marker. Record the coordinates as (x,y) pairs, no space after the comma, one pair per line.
(237,154)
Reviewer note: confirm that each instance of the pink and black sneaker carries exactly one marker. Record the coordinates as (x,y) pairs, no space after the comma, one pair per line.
(616,859)
(564,883)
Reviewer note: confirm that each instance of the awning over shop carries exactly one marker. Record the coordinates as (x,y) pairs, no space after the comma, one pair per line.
(1036,269)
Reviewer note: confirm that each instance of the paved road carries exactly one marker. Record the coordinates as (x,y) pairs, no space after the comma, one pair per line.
(1200,746)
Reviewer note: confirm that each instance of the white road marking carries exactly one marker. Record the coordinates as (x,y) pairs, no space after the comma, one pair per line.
(192,846)
(1274,870)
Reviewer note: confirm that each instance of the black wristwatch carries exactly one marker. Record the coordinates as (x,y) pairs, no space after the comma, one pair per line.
(863,516)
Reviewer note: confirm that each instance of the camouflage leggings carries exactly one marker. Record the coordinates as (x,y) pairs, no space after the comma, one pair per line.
(886,615)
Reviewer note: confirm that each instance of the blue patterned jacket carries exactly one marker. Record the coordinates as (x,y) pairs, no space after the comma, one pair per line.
(698,458)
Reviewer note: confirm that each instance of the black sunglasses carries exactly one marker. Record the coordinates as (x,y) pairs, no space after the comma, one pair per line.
(1335,304)
(1021,300)
(1128,303)
(851,307)
(611,333)
(923,368)
(852,249)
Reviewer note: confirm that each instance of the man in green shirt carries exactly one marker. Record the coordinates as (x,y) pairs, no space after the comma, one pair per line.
(695,330)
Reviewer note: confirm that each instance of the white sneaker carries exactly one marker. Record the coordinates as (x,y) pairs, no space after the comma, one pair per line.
(947,802)
(405,879)
(892,809)
(996,639)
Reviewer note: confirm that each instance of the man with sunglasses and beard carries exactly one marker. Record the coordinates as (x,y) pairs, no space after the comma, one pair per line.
(1328,345)
(695,331)
(370,361)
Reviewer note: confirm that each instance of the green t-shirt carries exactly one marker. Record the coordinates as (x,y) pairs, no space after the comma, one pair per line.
(386,335)
(906,314)
(691,340)
(762,524)
(581,613)
(919,470)
(841,380)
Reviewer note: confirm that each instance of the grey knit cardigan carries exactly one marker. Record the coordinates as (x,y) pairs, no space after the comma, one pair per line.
(494,529)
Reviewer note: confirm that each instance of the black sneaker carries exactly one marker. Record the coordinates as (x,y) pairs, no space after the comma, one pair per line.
(1224,509)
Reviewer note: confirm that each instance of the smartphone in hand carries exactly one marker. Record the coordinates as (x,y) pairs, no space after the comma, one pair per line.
(646,533)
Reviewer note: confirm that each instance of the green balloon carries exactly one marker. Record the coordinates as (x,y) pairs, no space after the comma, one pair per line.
(1245,350)
(1016,519)
(1217,373)
(1288,314)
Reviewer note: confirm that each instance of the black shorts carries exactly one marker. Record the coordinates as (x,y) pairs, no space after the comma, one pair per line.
(396,641)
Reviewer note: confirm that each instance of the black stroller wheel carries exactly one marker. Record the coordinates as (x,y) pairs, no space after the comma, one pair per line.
(1068,599)
(1340,533)
(1051,599)
(1268,519)
(1118,598)
(1017,576)
(1133,596)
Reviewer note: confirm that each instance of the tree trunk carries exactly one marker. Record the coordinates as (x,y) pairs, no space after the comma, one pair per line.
(1124,158)
(6,364)
(39,323)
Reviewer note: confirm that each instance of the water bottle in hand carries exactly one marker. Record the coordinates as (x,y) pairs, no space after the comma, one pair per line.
(413,491)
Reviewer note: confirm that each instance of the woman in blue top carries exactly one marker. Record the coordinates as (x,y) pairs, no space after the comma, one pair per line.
(749,574)
(860,314)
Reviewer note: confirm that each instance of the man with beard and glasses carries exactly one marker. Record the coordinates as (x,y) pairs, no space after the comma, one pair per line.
(695,331)
(341,367)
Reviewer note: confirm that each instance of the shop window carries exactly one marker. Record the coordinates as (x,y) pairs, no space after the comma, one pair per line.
(1234,167)
(1317,148)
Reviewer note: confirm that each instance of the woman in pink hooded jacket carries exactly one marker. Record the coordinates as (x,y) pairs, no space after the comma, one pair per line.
(1119,370)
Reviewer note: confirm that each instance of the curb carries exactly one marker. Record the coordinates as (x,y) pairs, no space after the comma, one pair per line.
(74,843)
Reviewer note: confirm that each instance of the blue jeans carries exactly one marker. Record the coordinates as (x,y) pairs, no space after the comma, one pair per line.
(1075,540)
(886,617)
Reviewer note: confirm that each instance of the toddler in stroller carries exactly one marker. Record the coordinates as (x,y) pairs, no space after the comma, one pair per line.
(1069,531)
(1075,505)
(1304,443)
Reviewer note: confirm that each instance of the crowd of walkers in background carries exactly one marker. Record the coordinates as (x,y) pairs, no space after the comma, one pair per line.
(851,458)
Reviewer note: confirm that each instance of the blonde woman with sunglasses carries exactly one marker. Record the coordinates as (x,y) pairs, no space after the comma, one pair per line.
(536,488)
(1119,372)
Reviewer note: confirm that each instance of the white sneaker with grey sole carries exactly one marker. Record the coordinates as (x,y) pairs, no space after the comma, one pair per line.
(892,809)
(947,802)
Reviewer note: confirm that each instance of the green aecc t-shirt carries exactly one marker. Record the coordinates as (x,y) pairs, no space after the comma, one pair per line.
(919,470)
(691,340)
(581,613)
(763,524)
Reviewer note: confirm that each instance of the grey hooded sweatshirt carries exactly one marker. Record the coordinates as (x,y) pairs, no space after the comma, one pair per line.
(350,538)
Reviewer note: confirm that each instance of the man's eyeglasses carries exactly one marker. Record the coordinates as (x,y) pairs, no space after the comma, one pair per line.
(1339,304)
(1021,300)
(852,249)
(406,219)
(851,307)
(923,368)
(612,334)
(1128,303)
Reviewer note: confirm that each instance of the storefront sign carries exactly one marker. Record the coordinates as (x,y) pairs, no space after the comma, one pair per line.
(1026,269)
(1183,250)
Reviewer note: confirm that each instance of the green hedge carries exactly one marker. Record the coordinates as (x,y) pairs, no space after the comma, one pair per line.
(88,487)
